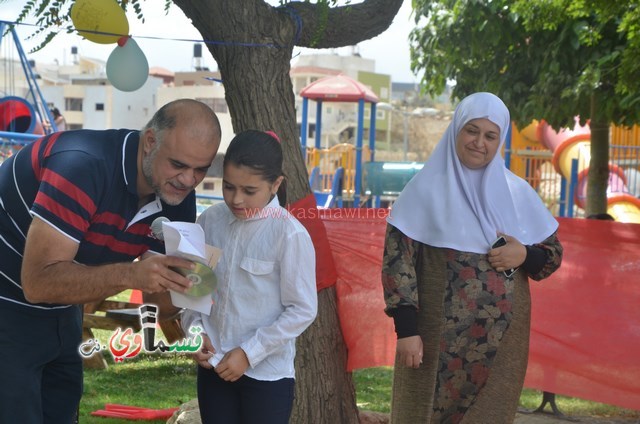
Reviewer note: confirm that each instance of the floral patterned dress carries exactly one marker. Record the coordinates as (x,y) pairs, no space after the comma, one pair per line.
(474,324)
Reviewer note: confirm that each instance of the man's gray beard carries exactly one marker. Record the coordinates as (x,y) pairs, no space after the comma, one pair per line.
(147,172)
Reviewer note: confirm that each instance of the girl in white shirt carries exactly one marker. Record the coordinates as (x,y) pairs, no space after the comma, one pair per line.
(266,294)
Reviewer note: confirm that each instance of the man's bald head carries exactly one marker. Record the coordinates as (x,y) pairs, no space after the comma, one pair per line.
(177,147)
(197,117)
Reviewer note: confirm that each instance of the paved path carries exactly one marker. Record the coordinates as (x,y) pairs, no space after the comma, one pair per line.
(547,418)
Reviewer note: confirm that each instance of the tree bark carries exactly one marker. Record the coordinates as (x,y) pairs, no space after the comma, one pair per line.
(598,177)
(324,390)
(253,44)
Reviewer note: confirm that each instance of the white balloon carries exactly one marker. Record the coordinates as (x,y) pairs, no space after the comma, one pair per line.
(127,66)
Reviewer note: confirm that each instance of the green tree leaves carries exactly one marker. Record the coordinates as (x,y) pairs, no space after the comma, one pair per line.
(545,58)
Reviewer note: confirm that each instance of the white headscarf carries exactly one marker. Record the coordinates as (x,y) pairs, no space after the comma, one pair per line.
(449,205)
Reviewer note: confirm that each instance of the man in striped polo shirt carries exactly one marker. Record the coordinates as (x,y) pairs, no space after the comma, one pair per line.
(75,211)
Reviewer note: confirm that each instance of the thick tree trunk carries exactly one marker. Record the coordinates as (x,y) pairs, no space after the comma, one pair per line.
(598,178)
(324,390)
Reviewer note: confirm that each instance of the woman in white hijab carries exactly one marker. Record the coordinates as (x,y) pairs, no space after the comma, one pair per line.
(462,308)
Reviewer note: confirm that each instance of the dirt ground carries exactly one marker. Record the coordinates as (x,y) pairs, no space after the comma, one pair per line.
(548,418)
(423,135)
(367,417)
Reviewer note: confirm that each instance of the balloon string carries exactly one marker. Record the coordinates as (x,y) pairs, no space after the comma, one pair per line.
(232,43)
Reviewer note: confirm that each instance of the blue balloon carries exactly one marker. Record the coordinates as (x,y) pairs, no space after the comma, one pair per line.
(127,66)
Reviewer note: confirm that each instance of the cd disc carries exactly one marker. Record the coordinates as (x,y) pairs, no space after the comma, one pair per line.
(203,279)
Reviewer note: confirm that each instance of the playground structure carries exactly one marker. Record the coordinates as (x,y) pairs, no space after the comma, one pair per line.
(322,165)
(363,181)
(21,117)
(557,165)
(18,124)
(17,115)
(382,181)
(339,88)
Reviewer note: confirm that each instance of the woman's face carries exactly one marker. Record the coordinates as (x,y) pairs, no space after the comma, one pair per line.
(477,143)
(245,191)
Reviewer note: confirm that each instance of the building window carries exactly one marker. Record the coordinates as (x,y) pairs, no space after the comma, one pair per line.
(208,185)
(312,130)
(300,84)
(216,105)
(73,103)
(99,106)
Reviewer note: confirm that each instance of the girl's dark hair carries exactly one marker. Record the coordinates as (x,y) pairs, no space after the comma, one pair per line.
(259,151)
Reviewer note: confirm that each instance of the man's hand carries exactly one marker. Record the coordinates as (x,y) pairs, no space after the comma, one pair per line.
(409,351)
(153,274)
(233,365)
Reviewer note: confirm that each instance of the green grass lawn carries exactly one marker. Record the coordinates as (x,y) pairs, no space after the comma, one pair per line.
(373,390)
(148,381)
(166,381)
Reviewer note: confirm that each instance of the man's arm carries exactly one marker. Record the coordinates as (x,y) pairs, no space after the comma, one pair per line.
(49,274)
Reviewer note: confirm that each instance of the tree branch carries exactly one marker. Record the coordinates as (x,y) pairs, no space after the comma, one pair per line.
(329,27)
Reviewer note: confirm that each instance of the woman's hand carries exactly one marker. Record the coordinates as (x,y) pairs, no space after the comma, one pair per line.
(509,256)
(409,351)
(233,365)
(206,351)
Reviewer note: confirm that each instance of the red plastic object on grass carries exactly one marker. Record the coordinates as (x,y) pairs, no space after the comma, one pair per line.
(134,412)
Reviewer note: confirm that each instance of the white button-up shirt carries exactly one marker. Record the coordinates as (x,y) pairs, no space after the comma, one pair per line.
(266,294)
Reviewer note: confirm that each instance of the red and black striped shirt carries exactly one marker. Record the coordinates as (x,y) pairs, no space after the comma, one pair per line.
(84,184)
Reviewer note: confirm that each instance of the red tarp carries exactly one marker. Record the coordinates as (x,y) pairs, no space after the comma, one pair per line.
(356,237)
(585,331)
(308,214)
(127,412)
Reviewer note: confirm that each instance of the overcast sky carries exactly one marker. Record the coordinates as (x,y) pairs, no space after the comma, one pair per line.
(390,50)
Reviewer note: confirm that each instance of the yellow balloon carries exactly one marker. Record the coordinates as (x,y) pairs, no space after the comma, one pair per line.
(99,16)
